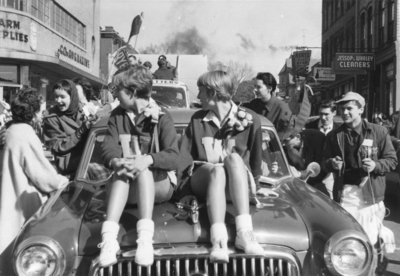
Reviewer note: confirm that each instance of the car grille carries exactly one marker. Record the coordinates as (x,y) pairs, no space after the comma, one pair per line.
(239,265)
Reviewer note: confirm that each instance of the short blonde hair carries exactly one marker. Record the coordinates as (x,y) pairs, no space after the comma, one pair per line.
(137,78)
(218,83)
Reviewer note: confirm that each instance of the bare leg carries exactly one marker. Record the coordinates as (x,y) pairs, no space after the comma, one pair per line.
(238,186)
(117,199)
(145,194)
(210,181)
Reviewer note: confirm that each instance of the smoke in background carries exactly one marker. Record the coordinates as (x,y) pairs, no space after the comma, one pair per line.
(187,42)
(196,27)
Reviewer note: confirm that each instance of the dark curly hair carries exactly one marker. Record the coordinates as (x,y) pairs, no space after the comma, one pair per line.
(267,79)
(25,105)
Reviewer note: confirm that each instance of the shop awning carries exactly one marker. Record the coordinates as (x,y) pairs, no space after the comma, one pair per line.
(53,64)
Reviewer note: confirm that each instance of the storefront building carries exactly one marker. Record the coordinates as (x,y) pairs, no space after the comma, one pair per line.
(43,41)
(365,32)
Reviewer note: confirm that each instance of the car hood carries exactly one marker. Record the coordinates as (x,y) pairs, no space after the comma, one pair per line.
(275,222)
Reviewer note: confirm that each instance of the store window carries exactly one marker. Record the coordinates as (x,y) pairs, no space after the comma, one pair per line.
(8,82)
(9,74)
(14,4)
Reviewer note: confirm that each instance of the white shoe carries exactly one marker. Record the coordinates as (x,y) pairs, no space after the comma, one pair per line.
(246,241)
(109,249)
(219,252)
(145,252)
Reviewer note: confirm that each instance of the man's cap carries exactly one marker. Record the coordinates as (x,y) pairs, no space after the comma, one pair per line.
(352,96)
(162,57)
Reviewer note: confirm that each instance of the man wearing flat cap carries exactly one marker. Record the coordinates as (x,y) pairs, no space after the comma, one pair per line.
(359,154)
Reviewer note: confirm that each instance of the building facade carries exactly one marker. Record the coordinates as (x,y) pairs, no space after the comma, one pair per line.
(110,41)
(42,41)
(364,30)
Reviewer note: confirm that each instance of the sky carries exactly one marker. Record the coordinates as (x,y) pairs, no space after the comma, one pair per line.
(259,33)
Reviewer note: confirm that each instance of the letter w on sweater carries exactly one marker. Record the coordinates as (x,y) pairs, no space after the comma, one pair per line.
(216,150)
(129,144)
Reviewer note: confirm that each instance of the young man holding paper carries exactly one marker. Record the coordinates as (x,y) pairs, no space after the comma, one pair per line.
(359,154)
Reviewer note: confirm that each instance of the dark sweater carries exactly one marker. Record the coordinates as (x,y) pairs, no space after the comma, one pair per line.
(120,123)
(247,143)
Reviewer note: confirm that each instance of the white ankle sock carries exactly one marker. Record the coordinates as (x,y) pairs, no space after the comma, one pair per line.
(243,223)
(145,228)
(218,231)
(109,229)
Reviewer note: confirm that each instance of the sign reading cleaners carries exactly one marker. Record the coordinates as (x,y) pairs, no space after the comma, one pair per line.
(354,63)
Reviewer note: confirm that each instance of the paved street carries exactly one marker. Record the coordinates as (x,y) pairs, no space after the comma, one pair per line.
(392,221)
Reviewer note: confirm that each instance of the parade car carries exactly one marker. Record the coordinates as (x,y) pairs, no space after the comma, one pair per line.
(170,93)
(301,230)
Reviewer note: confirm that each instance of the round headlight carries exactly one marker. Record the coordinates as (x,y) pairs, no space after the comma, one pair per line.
(39,256)
(348,255)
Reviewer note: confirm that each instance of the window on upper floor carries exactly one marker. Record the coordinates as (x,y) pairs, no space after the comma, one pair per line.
(41,10)
(67,25)
(20,5)
(363,32)
(370,30)
(382,23)
(391,19)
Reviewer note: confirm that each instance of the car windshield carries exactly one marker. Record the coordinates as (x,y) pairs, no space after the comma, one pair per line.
(169,96)
(274,166)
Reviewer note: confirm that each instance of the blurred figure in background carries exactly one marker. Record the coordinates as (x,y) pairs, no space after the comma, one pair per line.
(164,71)
(5,113)
(148,65)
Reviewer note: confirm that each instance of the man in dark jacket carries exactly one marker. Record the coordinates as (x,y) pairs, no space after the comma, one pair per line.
(325,124)
(360,154)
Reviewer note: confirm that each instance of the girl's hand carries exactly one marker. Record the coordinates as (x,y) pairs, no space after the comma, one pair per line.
(138,163)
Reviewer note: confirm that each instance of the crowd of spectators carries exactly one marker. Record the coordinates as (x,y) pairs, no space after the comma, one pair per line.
(351,168)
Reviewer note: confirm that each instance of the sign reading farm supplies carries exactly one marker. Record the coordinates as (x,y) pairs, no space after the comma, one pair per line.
(354,63)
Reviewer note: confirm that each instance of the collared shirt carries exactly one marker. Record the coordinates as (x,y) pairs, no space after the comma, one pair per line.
(211,116)
(324,129)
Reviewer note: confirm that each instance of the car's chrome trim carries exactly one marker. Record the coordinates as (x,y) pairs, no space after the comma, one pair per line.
(194,260)
(46,242)
(343,235)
